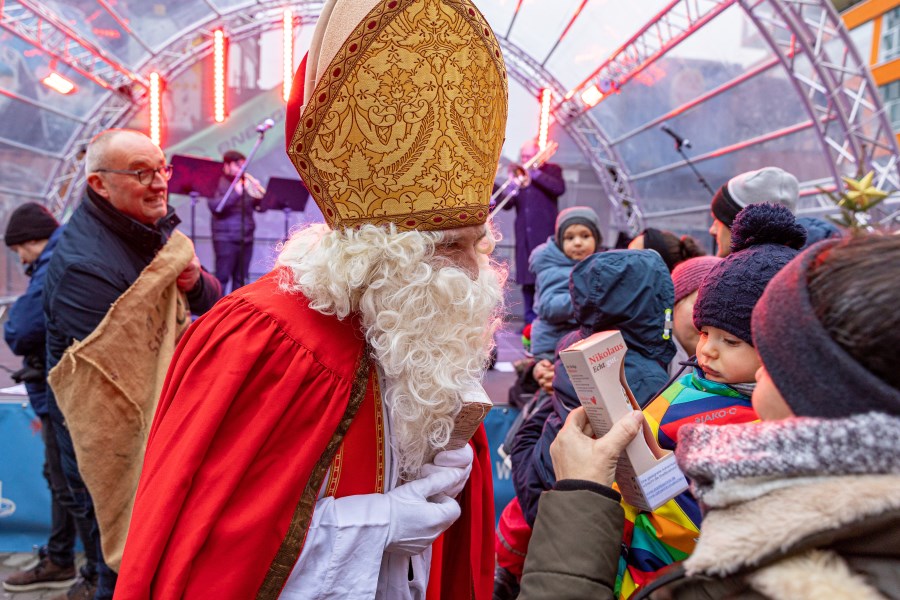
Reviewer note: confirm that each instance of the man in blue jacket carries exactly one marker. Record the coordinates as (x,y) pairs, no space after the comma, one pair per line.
(116,231)
(32,233)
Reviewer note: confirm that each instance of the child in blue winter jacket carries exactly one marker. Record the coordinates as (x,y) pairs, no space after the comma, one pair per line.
(627,290)
(577,236)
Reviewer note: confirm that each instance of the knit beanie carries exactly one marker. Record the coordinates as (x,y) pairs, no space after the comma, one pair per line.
(578,215)
(29,222)
(764,238)
(688,275)
(769,184)
(813,373)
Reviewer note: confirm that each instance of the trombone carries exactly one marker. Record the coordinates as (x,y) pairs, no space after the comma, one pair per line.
(520,177)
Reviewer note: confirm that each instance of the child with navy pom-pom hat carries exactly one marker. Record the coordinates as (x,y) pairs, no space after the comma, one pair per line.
(765,237)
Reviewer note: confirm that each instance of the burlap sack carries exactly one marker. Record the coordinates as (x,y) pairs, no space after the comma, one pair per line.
(108,386)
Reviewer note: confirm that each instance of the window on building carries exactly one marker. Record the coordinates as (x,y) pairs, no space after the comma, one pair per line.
(890,35)
(890,93)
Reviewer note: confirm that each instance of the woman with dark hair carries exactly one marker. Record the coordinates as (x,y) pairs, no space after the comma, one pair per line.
(805,503)
(672,248)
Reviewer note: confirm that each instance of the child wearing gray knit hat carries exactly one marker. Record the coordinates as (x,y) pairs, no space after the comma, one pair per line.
(577,236)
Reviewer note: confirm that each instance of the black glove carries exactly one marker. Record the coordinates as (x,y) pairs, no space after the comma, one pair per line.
(34,370)
(28,375)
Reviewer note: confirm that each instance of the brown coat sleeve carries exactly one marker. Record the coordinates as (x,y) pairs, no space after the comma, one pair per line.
(574,550)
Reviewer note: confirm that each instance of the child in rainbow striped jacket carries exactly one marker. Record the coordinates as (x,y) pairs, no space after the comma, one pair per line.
(764,239)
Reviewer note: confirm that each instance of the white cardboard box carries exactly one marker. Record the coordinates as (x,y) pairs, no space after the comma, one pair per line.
(476,404)
(647,475)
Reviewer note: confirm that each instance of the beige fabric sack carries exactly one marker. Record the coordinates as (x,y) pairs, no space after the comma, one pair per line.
(108,386)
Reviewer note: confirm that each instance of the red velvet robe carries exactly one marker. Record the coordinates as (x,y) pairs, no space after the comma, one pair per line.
(257,401)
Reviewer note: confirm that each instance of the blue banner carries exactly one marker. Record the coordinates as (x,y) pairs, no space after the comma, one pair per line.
(24,495)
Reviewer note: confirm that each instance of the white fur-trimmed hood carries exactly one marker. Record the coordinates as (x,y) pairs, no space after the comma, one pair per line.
(746,534)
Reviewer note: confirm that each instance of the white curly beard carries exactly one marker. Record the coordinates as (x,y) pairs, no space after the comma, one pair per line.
(430,328)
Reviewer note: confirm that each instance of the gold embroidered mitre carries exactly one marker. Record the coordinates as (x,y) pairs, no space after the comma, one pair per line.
(398,114)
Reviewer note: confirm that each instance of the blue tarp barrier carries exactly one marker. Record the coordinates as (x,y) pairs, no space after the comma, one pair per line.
(24,496)
(496,424)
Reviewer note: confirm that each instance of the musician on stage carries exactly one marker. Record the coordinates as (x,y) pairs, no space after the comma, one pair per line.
(232,228)
(536,208)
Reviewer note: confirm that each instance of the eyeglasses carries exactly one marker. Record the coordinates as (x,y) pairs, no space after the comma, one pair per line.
(144,176)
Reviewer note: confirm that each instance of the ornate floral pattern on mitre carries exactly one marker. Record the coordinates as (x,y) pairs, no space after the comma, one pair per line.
(407,123)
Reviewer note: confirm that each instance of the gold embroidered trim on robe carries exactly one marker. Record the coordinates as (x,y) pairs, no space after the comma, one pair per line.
(292,545)
(365,443)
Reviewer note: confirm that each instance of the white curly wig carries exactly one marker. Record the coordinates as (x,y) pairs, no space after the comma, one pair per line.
(430,327)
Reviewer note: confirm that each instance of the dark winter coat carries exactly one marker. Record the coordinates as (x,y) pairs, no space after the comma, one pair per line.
(226,225)
(627,290)
(536,208)
(100,254)
(817,230)
(786,544)
(24,330)
(552,301)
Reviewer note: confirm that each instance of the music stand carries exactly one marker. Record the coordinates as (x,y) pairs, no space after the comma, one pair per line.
(195,177)
(286,195)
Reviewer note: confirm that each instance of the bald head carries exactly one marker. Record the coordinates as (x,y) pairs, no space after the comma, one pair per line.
(112,162)
(111,141)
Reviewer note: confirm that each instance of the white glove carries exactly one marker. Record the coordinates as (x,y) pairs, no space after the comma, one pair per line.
(461,458)
(421,510)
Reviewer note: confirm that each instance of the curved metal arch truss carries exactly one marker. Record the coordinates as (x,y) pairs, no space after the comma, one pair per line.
(807,38)
(838,91)
(810,43)
(244,22)
(177,54)
(586,134)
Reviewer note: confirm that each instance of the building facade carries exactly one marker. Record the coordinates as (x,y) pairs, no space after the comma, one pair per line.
(875,28)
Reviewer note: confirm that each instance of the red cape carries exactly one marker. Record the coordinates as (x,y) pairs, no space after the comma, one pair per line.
(250,411)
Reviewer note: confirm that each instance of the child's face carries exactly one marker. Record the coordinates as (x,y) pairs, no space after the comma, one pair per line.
(578,242)
(767,401)
(725,358)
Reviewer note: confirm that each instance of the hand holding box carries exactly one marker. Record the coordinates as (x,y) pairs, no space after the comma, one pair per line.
(647,475)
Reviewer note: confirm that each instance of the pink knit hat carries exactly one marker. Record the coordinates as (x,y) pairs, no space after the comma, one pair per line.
(688,275)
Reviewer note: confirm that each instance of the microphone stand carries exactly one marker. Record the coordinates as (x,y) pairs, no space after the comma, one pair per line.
(240,280)
(194,195)
(700,178)
(240,178)
(678,148)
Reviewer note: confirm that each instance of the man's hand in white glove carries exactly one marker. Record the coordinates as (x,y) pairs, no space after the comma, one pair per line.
(421,510)
(461,458)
